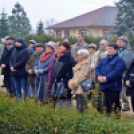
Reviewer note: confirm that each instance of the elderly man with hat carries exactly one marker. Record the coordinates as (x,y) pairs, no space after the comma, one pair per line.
(30,69)
(8,82)
(127,55)
(41,71)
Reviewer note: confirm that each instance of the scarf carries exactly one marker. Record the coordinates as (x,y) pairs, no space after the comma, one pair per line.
(60,55)
(46,56)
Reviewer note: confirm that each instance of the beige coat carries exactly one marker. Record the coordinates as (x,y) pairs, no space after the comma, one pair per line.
(81,73)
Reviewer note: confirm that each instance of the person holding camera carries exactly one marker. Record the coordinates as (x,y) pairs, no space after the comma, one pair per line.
(129,83)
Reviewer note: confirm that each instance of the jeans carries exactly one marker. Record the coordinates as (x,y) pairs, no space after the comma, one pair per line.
(21,83)
(31,90)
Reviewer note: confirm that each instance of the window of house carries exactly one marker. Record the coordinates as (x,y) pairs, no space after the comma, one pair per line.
(67,34)
(83,32)
(58,34)
(108,34)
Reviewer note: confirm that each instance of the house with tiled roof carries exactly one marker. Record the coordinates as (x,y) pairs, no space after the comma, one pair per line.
(97,23)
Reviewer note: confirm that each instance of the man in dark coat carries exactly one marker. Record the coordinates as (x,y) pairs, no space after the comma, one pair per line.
(18,61)
(6,68)
(4,49)
(109,74)
(129,83)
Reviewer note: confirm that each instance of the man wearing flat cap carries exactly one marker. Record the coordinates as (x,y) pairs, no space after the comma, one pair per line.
(5,59)
(30,69)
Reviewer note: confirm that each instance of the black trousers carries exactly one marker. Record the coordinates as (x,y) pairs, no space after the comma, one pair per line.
(111,101)
(132,102)
(8,82)
(81,103)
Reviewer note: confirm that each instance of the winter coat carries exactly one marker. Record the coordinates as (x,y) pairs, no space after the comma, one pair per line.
(18,61)
(98,56)
(130,90)
(67,72)
(76,48)
(5,60)
(112,68)
(128,47)
(30,66)
(41,87)
(127,56)
(81,71)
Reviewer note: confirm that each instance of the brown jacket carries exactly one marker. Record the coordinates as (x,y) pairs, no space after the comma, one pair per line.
(30,66)
(81,72)
(76,48)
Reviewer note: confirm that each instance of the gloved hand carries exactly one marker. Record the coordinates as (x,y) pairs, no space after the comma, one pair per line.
(40,71)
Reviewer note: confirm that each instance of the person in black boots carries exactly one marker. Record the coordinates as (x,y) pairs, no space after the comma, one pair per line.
(6,68)
(18,61)
(129,83)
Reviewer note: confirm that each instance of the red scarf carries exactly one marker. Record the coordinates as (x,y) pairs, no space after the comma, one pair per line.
(60,55)
(46,56)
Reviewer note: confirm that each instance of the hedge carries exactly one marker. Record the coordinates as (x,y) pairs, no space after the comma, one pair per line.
(32,118)
(89,39)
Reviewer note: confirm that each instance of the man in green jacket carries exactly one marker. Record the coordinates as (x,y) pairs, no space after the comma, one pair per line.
(127,55)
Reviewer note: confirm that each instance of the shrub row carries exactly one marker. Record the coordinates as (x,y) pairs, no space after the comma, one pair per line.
(33,118)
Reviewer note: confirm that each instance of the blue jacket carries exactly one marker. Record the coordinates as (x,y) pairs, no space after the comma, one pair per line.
(113,69)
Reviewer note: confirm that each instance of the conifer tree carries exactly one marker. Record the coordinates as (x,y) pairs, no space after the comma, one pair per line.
(3,24)
(125,17)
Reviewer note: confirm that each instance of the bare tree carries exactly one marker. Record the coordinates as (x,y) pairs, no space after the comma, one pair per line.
(49,23)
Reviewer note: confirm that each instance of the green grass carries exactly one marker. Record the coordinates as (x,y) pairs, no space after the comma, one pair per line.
(32,118)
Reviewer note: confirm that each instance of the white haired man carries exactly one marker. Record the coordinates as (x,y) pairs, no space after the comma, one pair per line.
(81,71)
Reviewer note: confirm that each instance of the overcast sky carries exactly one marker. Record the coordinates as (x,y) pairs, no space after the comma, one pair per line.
(60,10)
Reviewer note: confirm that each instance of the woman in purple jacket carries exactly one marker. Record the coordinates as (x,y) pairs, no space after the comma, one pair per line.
(51,69)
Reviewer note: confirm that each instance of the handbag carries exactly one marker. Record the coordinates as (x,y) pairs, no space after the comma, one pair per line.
(58,67)
(88,85)
(58,89)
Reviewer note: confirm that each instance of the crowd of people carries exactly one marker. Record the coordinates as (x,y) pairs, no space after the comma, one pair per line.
(32,69)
